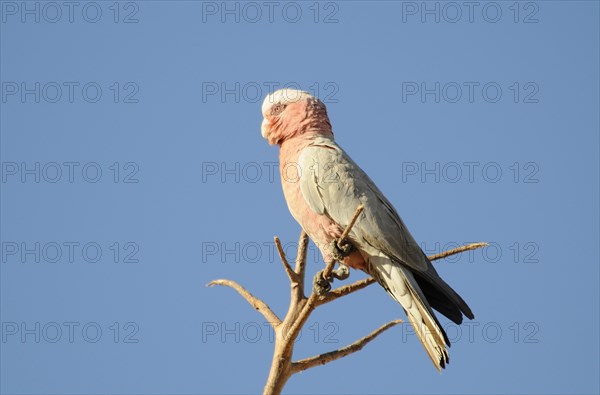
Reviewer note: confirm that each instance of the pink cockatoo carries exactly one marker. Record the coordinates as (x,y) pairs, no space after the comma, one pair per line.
(323,187)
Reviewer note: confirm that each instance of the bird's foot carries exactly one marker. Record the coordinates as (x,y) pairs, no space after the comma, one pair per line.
(339,251)
(341,273)
(322,284)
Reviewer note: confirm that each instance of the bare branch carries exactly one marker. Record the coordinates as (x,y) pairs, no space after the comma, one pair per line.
(307,308)
(346,290)
(330,264)
(312,301)
(255,302)
(458,250)
(301,256)
(286,332)
(293,276)
(358,285)
(346,232)
(297,298)
(322,359)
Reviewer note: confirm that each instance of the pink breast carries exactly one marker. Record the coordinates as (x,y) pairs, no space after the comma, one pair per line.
(320,228)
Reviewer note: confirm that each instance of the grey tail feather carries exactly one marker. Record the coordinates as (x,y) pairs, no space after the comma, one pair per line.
(403,287)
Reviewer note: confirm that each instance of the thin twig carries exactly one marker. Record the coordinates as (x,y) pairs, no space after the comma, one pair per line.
(307,309)
(301,257)
(322,359)
(330,264)
(297,297)
(326,273)
(458,250)
(282,367)
(286,265)
(360,284)
(346,290)
(312,301)
(258,304)
(346,232)
(284,343)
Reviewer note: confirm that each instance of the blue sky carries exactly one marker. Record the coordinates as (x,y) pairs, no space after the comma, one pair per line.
(133,173)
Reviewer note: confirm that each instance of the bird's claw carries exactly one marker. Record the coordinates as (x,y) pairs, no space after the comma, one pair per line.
(322,284)
(341,273)
(339,251)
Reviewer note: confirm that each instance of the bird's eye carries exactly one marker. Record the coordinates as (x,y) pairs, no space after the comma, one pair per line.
(277,109)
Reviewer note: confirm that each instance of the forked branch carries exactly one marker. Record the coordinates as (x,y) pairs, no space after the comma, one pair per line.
(255,302)
(286,331)
(312,301)
(292,275)
(331,356)
(458,250)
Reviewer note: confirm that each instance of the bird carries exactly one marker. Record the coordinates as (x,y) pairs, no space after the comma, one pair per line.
(323,187)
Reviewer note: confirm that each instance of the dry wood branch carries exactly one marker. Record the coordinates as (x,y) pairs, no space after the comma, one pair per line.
(286,331)
(346,290)
(360,284)
(255,302)
(307,308)
(312,301)
(330,264)
(346,232)
(331,356)
(297,298)
(458,250)
(292,275)
(301,257)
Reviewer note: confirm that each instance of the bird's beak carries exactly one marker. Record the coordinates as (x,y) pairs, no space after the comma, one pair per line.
(263,127)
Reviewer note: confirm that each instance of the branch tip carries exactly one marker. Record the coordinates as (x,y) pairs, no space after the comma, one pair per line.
(454,251)
(214,282)
(331,356)
(255,302)
(286,332)
(293,276)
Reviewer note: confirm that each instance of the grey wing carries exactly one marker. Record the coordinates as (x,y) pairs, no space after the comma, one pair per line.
(333,185)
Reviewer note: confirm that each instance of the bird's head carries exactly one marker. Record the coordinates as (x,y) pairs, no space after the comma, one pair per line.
(289,113)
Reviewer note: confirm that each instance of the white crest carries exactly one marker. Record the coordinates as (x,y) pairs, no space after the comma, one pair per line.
(283,96)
